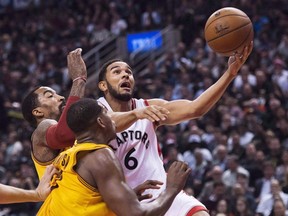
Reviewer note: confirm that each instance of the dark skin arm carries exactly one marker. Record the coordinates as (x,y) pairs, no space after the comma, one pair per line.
(149,184)
(102,169)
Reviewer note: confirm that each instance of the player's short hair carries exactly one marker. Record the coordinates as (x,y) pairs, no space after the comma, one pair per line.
(82,114)
(103,70)
(29,103)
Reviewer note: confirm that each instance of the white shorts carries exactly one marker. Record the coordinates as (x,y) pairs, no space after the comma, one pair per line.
(184,204)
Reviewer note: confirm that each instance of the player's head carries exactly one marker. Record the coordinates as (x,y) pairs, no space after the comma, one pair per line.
(42,103)
(87,117)
(116,80)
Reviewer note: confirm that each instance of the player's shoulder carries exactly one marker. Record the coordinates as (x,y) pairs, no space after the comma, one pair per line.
(103,154)
(43,126)
(104,157)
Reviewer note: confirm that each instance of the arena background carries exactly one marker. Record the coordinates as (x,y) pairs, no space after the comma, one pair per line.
(163,41)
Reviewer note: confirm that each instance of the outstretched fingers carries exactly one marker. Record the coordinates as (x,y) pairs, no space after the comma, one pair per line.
(149,184)
(238,59)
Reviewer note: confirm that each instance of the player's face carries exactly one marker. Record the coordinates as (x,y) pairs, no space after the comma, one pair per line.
(51,104)
(120,81)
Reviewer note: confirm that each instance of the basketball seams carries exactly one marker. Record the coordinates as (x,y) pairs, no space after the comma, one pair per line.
(228,30)
(235,29)
(248,35)
(220,17)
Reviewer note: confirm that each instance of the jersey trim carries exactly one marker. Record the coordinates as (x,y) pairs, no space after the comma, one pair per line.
(86,184)
(133,106)
(196,209)
(42,163)
(146,102)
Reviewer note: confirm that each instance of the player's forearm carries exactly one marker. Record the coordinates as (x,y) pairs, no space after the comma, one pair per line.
(78,88)
(123,120)
(212,95)
(9,194)
(161,205)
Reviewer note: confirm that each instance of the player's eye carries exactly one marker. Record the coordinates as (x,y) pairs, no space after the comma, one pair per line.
(129,72)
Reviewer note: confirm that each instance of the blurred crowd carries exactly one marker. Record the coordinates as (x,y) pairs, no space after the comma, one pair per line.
(238,151)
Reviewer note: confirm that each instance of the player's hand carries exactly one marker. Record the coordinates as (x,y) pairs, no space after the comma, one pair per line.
(44,188)
(236,61)
(76,64)
(152,113)
(177,175)
(149,184)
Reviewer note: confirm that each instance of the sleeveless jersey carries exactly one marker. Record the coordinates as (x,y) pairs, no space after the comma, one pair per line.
(137,151)
(40,167)
(74,196)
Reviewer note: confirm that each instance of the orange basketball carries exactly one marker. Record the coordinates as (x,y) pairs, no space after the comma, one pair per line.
(228,30)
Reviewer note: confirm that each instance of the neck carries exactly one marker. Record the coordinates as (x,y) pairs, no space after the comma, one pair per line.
(118,105)
(92,138)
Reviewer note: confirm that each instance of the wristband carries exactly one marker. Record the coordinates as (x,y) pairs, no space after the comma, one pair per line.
(80,77)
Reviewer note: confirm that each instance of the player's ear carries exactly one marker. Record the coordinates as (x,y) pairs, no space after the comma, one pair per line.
(102,85)
(100,122)
(38,112)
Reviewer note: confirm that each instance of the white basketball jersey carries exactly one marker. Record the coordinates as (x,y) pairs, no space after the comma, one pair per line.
(137,151)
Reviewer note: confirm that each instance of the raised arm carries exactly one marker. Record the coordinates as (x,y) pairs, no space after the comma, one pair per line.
(181,110)
(120,198)
(9,194)
(59,135)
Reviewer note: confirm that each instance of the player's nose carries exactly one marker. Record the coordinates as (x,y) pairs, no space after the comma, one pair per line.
(60,97)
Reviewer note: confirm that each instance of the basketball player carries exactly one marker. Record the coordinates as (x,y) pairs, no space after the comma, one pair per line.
(136,147)
(42,108)
(9,194)
(92,181)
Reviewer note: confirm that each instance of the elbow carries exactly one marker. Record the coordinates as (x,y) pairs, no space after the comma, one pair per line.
(201,113)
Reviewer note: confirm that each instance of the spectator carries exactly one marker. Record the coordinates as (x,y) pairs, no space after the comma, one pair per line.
(221,209)
(218,194)
(229,177)
(282,169)
(221,156)
(214,175)
(279,208)
(263,185)
(265,206)
(251,164)
(242,207)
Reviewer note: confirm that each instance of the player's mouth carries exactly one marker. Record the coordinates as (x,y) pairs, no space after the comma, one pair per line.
(126,86)
(62,106)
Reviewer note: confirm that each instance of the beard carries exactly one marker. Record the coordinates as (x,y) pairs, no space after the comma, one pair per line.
(122,97)
(61,109)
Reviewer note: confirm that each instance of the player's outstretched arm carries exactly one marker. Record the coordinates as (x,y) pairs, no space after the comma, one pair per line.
(181,110)
(121,199)
(123,120)
(9,194)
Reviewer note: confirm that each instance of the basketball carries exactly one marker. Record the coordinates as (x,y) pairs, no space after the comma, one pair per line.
(228,30)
